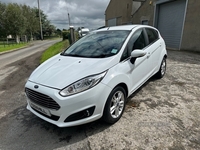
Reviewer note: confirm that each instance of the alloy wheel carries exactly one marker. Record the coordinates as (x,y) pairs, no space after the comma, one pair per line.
(117,104)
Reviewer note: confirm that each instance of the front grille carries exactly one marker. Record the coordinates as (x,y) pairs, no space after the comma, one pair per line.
(41,99)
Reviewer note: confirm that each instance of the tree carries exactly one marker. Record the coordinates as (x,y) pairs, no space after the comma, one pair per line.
(18,20)
(50,30)
(47,28)
(14,20)
(2,18)
(32,22)
(59,32)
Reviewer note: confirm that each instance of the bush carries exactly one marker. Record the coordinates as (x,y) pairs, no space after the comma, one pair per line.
(67,36)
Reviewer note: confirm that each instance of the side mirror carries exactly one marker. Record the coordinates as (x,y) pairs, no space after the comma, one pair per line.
(137,53)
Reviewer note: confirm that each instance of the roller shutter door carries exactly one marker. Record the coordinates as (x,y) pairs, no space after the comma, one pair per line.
(170,22)
(112,22)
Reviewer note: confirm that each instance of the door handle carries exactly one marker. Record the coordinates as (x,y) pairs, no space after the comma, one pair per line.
(148,54)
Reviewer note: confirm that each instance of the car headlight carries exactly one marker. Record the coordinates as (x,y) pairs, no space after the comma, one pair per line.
(82,85)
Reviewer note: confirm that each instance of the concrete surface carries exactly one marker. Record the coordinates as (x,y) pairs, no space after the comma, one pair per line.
(163,114)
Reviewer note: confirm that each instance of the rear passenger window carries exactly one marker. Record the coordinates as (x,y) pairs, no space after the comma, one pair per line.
(152,35)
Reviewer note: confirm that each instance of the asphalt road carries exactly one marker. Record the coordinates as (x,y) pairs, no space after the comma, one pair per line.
(163,114)
(37,46)
(8,58)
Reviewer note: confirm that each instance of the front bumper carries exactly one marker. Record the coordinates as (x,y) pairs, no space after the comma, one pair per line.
(93,98)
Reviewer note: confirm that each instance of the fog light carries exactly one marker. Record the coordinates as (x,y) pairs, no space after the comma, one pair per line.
(81,114)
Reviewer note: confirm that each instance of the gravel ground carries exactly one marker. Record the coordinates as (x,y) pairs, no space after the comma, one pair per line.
(163,114)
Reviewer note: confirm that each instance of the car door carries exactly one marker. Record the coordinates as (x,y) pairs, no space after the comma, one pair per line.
(154,46)
(137,70)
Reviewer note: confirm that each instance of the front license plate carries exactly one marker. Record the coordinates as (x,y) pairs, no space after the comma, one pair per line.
(40,109)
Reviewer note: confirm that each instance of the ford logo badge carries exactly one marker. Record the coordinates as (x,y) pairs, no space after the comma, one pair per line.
(36,86)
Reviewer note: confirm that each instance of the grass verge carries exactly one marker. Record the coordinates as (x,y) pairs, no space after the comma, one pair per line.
(12,47)
(54,49)
(51,37)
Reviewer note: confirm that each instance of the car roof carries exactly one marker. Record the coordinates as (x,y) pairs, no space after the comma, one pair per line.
(123,27)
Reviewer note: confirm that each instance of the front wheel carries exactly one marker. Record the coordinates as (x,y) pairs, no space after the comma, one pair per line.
(162,69)
(115,105)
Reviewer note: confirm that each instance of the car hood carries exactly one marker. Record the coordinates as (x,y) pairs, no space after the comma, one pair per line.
(61,71)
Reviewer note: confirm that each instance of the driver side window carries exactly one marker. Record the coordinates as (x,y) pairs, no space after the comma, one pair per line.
(137,41)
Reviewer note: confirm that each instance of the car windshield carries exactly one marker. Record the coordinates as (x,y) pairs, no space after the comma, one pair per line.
(98,44)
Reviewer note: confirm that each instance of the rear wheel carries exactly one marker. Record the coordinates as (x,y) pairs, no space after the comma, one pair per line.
(162,69)
(115,105)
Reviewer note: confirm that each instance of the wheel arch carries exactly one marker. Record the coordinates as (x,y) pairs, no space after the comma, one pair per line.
(124,86)
(107,115)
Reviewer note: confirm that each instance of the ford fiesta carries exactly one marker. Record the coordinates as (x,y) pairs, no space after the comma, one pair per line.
(93,78)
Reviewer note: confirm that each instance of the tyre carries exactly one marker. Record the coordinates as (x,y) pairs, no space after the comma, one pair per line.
(115,105)
(162,69)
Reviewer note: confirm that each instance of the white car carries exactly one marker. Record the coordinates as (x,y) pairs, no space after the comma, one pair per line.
(93,78)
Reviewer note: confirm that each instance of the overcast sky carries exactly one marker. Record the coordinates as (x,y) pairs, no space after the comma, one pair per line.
(83,13)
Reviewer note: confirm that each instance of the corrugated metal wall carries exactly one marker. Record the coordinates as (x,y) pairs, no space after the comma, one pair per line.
(170,21)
